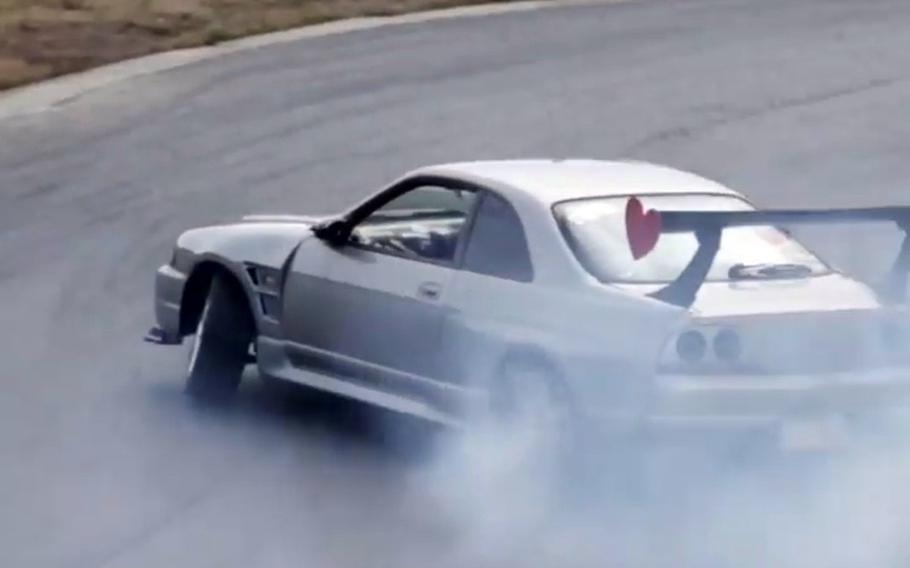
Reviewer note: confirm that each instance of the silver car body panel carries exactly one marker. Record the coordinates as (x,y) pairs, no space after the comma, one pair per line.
(426,339)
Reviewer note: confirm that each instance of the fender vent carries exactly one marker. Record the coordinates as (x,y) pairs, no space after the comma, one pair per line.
(270,305)
(267,286)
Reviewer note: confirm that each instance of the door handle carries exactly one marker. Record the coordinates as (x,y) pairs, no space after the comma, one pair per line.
(429,290)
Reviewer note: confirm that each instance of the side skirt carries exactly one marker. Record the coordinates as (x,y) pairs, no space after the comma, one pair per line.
(373,384)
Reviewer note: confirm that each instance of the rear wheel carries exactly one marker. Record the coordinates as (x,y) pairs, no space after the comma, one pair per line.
(220,348)
(536,409)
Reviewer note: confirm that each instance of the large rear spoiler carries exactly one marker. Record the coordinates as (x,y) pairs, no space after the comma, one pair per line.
(644,231)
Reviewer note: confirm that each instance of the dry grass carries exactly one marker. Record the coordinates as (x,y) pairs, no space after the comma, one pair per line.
(44,38)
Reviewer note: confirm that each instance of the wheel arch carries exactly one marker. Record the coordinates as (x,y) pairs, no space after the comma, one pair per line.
(529,354)
(538,358)
(504,390)
(196,292)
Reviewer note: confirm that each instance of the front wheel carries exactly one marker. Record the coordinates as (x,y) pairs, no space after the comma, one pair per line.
(220,349)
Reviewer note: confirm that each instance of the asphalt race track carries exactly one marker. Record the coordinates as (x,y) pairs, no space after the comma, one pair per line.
(103,461)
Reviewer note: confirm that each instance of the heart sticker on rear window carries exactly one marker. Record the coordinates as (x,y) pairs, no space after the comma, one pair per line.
(642,229)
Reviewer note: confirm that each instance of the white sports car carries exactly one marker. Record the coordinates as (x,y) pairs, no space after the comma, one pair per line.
(640,297)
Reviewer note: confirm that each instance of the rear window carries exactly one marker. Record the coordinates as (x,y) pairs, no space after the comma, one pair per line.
(595,230)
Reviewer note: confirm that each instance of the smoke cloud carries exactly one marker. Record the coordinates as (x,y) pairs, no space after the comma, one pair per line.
(507,504)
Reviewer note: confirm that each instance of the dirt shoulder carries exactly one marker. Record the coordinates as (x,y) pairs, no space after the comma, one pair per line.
(40,39)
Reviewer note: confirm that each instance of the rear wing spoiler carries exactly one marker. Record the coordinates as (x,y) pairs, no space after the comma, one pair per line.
(644,230)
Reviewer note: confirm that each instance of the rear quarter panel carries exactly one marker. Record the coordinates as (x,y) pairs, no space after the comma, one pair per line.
(603,343)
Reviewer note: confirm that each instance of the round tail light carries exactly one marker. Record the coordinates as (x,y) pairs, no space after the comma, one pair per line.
(727,345)
(691,346)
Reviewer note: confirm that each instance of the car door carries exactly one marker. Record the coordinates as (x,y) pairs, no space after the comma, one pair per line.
(373,306)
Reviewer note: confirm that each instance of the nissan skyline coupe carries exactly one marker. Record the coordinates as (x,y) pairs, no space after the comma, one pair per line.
(635,297)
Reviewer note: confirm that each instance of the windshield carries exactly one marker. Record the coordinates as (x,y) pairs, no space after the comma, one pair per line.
(596,232)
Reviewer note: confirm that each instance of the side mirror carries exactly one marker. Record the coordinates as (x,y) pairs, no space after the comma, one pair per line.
(335,232)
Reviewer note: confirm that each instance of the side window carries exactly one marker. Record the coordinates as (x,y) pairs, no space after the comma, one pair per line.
(424,223)
(497,246)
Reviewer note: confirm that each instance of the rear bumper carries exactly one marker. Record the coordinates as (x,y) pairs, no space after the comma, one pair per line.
(725,409)
(759,397)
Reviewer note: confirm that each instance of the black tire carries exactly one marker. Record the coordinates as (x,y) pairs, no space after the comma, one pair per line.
(220,348)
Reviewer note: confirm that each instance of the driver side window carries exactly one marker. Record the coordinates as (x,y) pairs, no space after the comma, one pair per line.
(425,224)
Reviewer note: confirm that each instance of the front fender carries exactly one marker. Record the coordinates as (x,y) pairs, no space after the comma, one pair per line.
(230,248)
(266,244)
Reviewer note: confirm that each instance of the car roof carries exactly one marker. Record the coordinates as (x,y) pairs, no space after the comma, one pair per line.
(551,181)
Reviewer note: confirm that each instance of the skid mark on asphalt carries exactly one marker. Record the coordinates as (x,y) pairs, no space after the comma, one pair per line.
(698,129)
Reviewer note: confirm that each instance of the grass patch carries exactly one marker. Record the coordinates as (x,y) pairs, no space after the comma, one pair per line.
(40,39)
